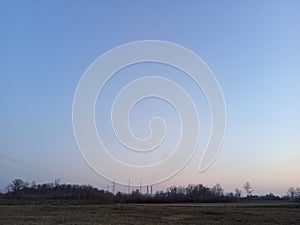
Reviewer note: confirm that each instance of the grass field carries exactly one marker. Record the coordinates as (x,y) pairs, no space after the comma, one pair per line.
(231,214)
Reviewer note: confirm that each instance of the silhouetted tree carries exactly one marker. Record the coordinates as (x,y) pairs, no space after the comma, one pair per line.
(33,185)
(237,193)
(217,190)
(56,183)
(87,194)
(248,188)
(292,192)
(16,186)
(298,192)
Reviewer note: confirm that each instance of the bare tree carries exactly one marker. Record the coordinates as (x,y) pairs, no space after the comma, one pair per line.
(217,190)
(17,185)
(248,188)
(56,183)
(298,192)
(33,185)
(291,192)
(237,193)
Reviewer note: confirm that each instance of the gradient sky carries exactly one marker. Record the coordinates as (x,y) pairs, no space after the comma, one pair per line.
(252,47)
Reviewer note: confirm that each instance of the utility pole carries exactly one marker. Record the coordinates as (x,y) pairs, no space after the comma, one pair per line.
(141,188)
(129,187)
(114,188)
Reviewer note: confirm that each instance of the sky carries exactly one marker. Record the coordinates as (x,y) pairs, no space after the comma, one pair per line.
(252,47)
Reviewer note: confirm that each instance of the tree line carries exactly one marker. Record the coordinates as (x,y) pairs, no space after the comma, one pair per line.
(199,193)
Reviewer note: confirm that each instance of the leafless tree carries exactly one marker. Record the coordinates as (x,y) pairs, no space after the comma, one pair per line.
(56,183)
(17,185)
(248,188)
(217,190)
(292,192)
(298,192)
(237,193)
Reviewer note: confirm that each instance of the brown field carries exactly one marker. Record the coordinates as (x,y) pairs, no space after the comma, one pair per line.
(231,214)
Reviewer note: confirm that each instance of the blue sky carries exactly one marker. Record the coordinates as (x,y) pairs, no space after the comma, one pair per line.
(252,47)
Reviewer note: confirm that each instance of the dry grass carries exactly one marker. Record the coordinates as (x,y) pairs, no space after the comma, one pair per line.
(231,214)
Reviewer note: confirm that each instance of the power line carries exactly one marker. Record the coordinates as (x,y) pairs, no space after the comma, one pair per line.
(13,160)
(24,165)
(33,169)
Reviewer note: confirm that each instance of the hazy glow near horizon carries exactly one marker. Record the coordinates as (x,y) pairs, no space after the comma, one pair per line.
(252,47)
